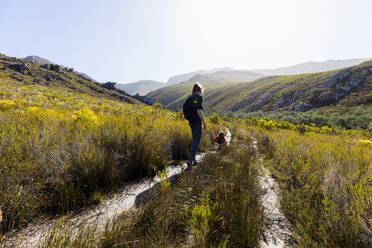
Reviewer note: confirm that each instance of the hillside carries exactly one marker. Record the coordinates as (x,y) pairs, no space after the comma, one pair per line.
(349,87)
(20,71)
(43,61)
(141,87)
(173,96)
(227,73)
(311,67)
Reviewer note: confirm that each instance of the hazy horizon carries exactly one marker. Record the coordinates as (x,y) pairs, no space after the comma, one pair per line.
(127,41)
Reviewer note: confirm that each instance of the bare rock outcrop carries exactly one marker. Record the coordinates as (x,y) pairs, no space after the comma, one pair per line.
(21,67)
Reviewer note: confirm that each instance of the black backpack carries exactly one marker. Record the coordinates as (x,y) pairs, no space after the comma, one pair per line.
(188,109)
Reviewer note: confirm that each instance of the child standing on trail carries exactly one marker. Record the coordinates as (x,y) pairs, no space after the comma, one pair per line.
(193,112)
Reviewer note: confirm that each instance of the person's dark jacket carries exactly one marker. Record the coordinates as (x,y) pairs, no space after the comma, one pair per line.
(197,103)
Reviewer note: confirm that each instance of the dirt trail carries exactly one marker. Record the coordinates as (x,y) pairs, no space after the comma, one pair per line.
(278,231)
(100,215)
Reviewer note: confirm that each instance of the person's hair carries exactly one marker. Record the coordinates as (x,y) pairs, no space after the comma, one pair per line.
(197,88)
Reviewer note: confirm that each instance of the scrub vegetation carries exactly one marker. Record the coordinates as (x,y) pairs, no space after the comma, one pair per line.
(213,205)
(325,180)
(349,118)
(61,150)
(66,143)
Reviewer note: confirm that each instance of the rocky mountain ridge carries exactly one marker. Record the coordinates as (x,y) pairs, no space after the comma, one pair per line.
(53,75)
(43,61)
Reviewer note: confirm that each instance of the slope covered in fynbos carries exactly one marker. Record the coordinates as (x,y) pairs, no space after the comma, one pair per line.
(65,141)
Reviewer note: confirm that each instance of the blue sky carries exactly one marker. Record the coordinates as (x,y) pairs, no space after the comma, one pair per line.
(129,40)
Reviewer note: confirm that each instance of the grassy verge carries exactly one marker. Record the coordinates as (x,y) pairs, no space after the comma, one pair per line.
(213,205)
(326,186)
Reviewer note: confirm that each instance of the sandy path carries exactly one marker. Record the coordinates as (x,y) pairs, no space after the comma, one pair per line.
(278,231)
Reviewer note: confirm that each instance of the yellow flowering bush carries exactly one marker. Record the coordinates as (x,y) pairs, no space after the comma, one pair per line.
(6,104)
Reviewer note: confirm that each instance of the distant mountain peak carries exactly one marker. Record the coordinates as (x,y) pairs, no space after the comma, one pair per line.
(186,76)
(38,60)
(141,87)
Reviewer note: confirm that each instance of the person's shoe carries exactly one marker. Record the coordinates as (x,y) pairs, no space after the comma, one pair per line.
(189,162)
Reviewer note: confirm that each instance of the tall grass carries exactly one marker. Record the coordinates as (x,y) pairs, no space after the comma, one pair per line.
(326,186)
(214,205)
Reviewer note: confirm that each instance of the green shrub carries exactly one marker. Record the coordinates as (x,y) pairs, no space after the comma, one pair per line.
(214,119)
